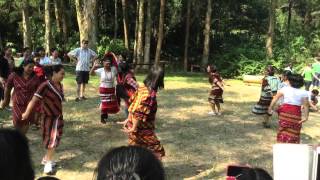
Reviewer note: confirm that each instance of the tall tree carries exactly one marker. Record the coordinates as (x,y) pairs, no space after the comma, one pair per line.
(290,2)
(58,15)
(115,19)
(186,40)
(160,32)
(1,43)
(147,34)
(270,35)
(87,21)
(65,22)
(125,23)
(140,33)
(206,32)
(47,20)
(136,33)
(26,24)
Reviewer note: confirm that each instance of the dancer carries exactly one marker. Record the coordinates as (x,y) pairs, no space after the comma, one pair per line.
(270,86)
(290,120)
(107,74)
(50,92)
(140,125)
(129,83)
(25,84)
(215,97)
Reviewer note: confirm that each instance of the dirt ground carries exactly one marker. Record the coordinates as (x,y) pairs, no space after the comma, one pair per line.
(197,146)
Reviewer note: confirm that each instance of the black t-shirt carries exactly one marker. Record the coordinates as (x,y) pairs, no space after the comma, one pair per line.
(4,68)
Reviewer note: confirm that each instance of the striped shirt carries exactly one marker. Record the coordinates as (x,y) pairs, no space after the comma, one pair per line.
(84,58)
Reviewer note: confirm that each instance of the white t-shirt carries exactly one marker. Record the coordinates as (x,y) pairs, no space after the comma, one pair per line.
(107,79)
(293,96)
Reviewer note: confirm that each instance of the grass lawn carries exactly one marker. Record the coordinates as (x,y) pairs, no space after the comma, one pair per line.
(197,146)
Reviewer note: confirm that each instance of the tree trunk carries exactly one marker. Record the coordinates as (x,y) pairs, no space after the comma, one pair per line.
(289,17)
(26,24)
(58,14)
(136,34)
(186,40)
(147,35)
(270,35)
(140,33)
(160,32)
(115,19)
(65,24)
(47,20)
(206,32)
(125,23)
(1,43)
(86,15)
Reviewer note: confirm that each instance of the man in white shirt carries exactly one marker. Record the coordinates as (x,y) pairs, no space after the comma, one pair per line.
(84,57)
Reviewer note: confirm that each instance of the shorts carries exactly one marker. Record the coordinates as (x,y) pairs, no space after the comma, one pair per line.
(82,77)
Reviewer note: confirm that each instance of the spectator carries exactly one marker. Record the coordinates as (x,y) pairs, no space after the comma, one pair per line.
(15,161)
(55,56)
(313,101)
(26,54)
(129,163)
(84,57)
(44,60)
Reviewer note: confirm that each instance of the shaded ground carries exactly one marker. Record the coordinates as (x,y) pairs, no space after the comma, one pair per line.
(197,146)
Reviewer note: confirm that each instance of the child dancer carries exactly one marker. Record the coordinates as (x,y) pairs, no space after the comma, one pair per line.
(269,88)
(108,75)
(50,93)
(140,124)
(215,97)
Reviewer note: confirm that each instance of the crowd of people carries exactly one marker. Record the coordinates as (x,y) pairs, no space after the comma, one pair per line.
(34,87)
(33,84)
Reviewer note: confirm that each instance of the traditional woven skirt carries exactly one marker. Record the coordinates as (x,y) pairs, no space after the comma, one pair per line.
(147,139)
(17,111)
(261,107)
(109,103)
(289,127)
(52,131)
(215,95)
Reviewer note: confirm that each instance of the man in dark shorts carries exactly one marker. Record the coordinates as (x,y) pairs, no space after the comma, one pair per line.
(84,57)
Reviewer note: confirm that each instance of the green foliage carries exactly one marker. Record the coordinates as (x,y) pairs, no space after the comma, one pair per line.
(106,44)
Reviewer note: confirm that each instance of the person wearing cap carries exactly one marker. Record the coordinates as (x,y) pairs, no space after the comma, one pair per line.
(84,57)
(108,74)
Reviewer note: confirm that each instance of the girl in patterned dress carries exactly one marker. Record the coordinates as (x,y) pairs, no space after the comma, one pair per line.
(290,116)
(269,88)
(140,125)
(51,94)
(215,96)
(25,83)
(107,90)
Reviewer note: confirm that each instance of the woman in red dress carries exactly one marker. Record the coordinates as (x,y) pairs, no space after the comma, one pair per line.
(51,94)
(25,84)
(140,125)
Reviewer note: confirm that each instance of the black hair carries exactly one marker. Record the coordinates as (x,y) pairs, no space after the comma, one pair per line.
(53,49)
(315,92)
(50,69)
(25,49)
(155,78)
(38,49)
(296,80)
(254,174)
(123,67)
(15,160)
(19,70)
(286,74)
(213,68)
(129,163)
(48,178)
(270,70)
